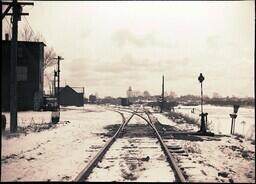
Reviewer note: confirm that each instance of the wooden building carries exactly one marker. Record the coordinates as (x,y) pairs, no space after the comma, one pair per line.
(29,75)
(71,97)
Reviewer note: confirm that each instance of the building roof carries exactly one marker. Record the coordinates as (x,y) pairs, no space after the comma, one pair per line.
(24,42)
(73,88)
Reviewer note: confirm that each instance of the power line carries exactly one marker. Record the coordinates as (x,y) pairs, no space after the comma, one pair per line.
(7,22)
(16,16)
(31,7)
(30,26)
(9,25)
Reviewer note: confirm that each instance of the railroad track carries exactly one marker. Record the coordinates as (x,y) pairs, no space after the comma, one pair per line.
(128,151)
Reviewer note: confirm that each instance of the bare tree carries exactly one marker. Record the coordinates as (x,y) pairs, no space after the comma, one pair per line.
(27,34)
(49,54)
(48,81)
(7,27)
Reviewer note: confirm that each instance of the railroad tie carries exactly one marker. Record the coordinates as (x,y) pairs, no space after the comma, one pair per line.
(176,147)
(177,150)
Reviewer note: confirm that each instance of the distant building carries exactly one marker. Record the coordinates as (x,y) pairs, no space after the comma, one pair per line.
(71,97)
(108,100)
(124,101)
(129,92)
(86,100)
(92,98)
(29,75)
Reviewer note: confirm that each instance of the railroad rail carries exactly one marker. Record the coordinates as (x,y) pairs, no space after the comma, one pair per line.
(174,165)
(93,163)
(87,170)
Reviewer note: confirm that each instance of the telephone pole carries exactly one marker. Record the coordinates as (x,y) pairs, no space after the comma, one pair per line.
(13,84)
(16,16)
(162,103)
(54,83)
(58,80)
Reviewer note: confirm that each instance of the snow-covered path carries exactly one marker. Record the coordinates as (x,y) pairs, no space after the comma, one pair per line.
(56,154)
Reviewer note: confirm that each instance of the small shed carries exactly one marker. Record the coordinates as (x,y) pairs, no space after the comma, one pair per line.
(70,97)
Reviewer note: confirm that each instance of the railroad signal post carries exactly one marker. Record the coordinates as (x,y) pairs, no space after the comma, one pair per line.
(233,118)
(203,127)
(202,115)
(16,16)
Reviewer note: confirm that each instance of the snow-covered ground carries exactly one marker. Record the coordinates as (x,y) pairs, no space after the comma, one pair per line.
(58,153)
(221,158)
(220,122)
(41,151)
(135,156)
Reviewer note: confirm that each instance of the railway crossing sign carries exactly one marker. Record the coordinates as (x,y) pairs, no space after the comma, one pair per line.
(236,107)
(233,118)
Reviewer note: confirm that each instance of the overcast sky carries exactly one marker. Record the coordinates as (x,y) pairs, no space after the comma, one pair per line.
(109,46)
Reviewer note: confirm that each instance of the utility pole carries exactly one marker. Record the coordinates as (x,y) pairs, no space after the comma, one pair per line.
(58,80)
(162,103)
(54,83)
(16,16)
(13,84)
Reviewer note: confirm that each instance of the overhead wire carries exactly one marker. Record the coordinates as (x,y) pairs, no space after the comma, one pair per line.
(27,23)
(9,25)
(29,26)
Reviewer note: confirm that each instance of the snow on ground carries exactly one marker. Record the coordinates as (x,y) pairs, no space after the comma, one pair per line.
(41,151)
(135,156)
(220,122)
(58,153)
(221,158)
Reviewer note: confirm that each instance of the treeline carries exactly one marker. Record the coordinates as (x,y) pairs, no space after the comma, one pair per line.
(221,101)
(183,100)
(231,101)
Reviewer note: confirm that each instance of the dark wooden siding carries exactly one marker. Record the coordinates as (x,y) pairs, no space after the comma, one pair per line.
(31,57)
(69,97)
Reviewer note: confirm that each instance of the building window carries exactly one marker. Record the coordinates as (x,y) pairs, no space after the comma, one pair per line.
(22,73)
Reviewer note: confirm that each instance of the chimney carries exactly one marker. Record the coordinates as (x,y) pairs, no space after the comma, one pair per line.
(6,36)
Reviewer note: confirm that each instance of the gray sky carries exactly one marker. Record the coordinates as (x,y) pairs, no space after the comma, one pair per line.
(109,46)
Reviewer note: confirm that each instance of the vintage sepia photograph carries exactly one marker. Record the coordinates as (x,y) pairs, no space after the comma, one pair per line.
(128,91)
